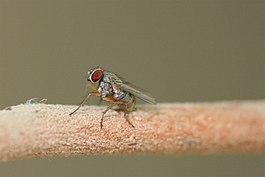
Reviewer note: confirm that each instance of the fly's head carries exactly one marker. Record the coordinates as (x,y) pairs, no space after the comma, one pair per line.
(95,75)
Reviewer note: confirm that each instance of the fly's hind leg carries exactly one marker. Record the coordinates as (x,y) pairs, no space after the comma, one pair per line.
(126,116)
(121,104)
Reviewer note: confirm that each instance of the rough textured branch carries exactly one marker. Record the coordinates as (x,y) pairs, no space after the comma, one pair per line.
(44,130)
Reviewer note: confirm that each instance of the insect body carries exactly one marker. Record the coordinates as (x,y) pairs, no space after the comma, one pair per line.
(114,90)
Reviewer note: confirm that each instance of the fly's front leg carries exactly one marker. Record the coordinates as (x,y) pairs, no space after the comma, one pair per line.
(81,104)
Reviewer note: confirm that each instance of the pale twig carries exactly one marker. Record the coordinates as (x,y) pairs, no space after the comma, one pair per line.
(32,130)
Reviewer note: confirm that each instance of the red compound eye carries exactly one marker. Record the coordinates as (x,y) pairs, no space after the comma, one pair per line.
(97,75)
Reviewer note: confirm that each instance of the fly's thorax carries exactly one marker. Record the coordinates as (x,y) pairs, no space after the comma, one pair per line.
(106,85)
(105,89)
(106,77)
(111,77)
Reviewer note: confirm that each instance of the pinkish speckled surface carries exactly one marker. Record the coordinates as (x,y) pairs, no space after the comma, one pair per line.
(47,130)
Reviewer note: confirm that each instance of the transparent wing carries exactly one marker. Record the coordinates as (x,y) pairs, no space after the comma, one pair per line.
(137,92)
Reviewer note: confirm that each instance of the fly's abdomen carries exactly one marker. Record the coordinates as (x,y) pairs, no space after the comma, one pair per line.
(127,98)
(121,95)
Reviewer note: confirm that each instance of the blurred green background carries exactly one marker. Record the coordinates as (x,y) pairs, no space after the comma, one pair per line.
(179,51)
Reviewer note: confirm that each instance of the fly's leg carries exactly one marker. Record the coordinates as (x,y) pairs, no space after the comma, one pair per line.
(103,114)
(115,102)
(81,104)
(126,116)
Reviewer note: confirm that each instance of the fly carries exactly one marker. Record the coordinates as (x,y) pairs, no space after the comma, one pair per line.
(109,87)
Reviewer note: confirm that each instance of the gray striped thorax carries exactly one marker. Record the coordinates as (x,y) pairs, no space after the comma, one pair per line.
(106,88)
